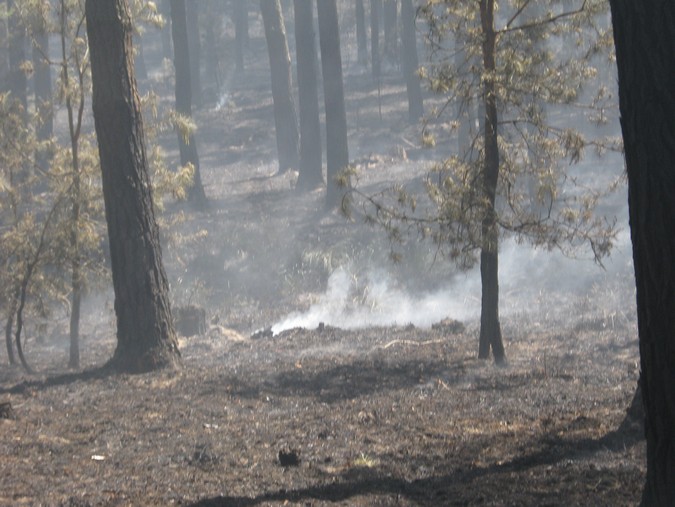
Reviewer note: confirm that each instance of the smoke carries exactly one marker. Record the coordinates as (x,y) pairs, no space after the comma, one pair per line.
(532,282)
(352,303)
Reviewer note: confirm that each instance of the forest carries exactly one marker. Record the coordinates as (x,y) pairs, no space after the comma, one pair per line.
(355,252)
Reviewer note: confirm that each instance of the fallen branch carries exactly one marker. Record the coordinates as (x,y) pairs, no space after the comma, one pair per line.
(407,342)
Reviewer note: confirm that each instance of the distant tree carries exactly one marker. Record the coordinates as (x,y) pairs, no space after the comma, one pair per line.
(187,142)
(337,148)
(375,58)
(195,49)
(310,176)
(285,118)
(474,197)
(146,339)
(361,35)
(167,46)
(644,35)
(410,61)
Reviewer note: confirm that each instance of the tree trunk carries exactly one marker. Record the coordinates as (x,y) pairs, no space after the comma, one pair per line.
(375,60)
(195,50)
(337,150)
(410,62)
(311,176)
(146,339)
(9,325)
(42,80)
(490,329)
(4,54)
(240,16)
(285,118)
(644,35)
(187,147)
(18,82)
(361,36)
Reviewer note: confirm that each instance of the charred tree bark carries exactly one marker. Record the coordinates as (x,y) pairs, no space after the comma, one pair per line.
(490,329)
(285,119)
(187,144)
(410,62)
(310,176)
(644,35)
(337,149)
(361,35)
(146,339)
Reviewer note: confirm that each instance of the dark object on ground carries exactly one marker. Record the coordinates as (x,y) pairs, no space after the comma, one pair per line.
(190,320)
(6,410)
(289,458)
(262,333)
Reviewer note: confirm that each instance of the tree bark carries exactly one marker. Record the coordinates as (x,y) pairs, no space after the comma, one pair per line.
(361,36)
(337,150)
(285,118)
(390,22)
(644,35)
(310,176)
(146,339)
(187,147)
(410,62)
(490,329)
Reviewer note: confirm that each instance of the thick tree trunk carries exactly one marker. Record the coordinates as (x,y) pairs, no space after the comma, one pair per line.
(146,339)
(490,329)
(361,35)
(311,176)
(410,61)
(285,118)
(337,150)
(195,50)
(644,35)
(375,59)
(187,147)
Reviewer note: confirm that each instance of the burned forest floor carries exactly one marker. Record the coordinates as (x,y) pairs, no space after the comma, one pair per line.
(327,410)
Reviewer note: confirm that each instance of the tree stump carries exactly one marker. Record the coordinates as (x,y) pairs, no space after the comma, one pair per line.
(6,410)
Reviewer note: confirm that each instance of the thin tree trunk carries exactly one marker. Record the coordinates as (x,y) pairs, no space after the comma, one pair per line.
(337,150)
(165,11)
(146,339)
(285,118)
(9,325)
(410,62)
(361,35)
(187,147)
(644,35)
(490,329)
(310,176)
